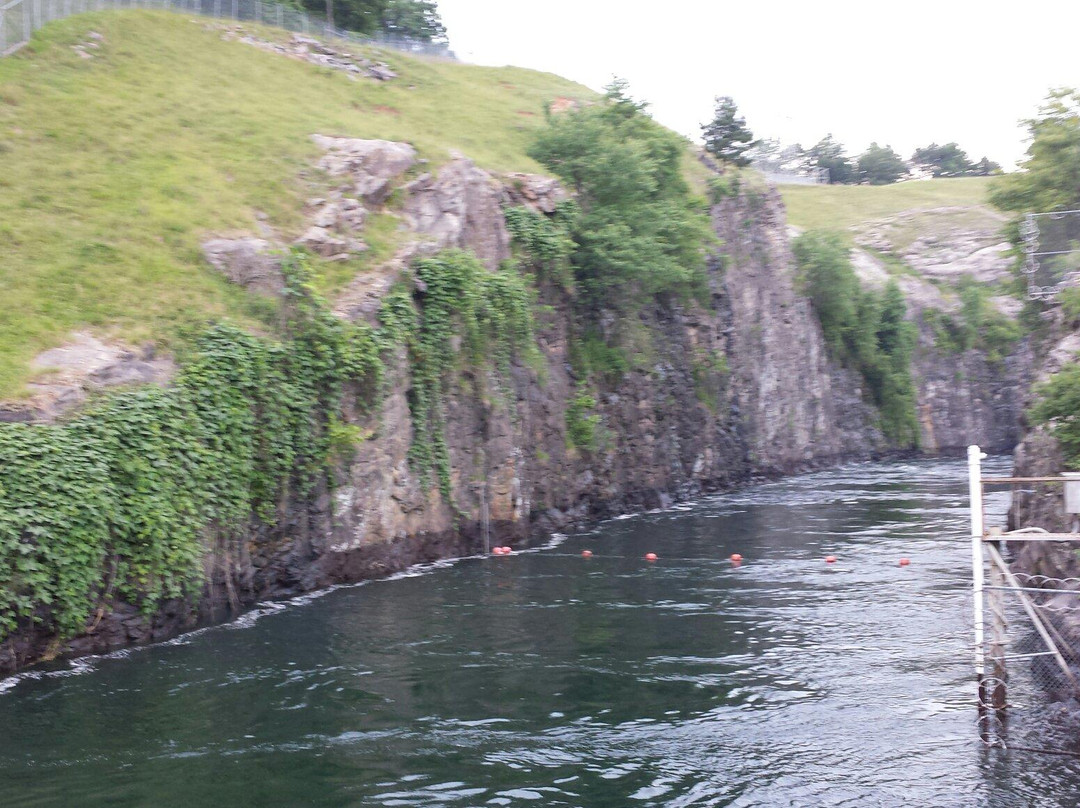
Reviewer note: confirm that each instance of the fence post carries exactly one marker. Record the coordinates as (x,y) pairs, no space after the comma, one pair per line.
(280,16)
(26,21)
(975,457)
(999,674)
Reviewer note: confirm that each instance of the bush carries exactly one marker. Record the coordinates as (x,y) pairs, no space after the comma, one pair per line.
(1058,404)
(581,422)
(640,232)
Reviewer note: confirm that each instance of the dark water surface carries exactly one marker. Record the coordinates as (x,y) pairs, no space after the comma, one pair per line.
(546,679)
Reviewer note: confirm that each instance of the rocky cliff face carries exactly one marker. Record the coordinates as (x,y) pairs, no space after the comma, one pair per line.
(677,424)
(796,407)
(1039,455)
(965,398)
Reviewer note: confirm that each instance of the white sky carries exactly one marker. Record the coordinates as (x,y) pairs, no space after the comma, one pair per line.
(903,74)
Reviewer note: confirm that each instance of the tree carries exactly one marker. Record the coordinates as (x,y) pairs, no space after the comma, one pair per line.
(640,231)
(944,161)
(880,165)
(412,19)
(829,154)
(726,136)
(986,168)
(1050,176)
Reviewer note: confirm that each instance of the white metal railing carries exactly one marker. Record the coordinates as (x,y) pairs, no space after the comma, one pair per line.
(1032,647)
(20,18)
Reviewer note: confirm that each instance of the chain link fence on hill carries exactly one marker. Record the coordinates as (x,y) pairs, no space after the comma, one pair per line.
(1051,252)
(20,18)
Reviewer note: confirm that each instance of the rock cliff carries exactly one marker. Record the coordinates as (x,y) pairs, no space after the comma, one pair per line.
(678,423)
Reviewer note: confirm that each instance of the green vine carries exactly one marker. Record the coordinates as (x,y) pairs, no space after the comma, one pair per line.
(545,241)
(124,500)
(460,315)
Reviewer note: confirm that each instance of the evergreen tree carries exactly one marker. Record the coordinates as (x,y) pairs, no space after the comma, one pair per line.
(880,165)
(829,154)
(944,161)
(726,136)
(412,19)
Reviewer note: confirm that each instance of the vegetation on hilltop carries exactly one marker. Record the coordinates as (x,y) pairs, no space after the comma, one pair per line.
(114,169)
(841,208)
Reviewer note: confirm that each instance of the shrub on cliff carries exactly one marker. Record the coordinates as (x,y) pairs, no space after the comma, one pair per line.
(640,232)
(864,330)
(1057,404)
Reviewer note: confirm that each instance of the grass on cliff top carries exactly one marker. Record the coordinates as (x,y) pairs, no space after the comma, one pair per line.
(114,169)
(841,207)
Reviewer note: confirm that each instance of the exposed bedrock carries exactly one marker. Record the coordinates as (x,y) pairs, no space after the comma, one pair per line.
(679,423)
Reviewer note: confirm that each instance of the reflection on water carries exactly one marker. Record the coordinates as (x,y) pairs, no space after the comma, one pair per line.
(545,678)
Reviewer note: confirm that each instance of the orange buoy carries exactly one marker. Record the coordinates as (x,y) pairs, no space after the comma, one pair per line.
(904,562)
(650,556)
(586,553)
(507,550)
(736,557)
(830,559)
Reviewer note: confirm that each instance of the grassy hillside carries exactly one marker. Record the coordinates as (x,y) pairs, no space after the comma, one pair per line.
(114,169)
(840,207)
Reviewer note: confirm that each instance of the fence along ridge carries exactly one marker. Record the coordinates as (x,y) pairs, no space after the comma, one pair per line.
(20,18)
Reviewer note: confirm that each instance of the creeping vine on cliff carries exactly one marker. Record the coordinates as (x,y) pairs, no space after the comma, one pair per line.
(455,298)
(123,500)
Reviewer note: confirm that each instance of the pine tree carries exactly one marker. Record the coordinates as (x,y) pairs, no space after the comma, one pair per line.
(727,137)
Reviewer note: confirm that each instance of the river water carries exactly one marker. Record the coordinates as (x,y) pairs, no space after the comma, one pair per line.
(547,679)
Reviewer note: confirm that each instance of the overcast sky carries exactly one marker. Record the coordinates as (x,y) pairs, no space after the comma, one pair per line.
(903,74)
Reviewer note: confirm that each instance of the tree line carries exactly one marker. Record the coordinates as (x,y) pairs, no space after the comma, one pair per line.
(409,19)
(728,138)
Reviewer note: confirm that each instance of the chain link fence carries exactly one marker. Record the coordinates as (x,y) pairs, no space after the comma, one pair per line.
(20,18)
(1051,252)
(1028,697)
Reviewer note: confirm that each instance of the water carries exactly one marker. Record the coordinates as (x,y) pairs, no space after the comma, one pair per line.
(547,679)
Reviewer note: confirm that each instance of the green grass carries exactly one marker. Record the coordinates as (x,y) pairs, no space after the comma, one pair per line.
(113,170)
(840,207)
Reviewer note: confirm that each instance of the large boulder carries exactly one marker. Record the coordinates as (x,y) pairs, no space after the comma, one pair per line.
(461,207)
(247,262)
(371,165)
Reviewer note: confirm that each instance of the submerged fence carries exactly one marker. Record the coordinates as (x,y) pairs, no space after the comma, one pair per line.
(1027,626)
(20,18)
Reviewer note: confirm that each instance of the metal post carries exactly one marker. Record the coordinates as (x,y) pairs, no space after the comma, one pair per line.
(975,456)
(998,637)
(280,16)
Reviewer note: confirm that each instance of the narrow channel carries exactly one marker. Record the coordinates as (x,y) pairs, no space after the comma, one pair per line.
(545,678)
